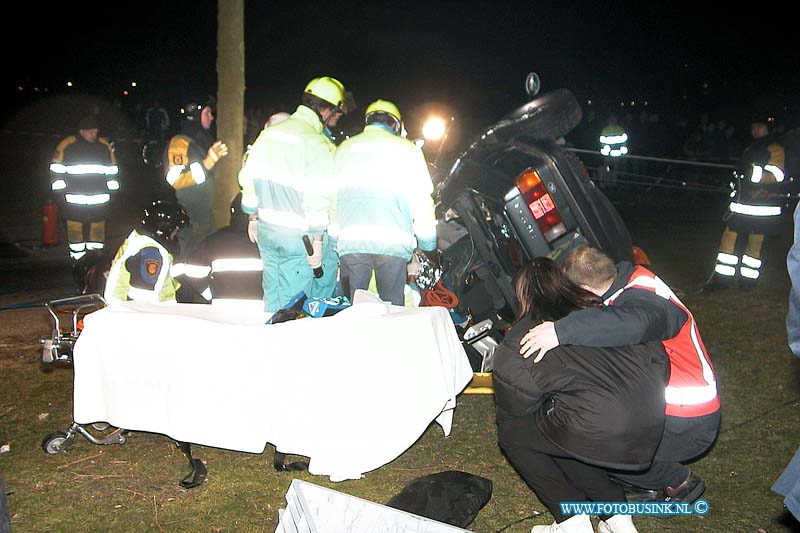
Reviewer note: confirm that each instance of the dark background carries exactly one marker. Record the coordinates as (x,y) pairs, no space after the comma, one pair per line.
(470,57)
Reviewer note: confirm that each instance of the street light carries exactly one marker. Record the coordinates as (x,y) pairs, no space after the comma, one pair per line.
(434,129)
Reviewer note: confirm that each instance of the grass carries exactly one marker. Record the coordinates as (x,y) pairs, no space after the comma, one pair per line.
(134,487)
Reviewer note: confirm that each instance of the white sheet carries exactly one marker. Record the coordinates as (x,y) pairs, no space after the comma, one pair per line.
(351,392)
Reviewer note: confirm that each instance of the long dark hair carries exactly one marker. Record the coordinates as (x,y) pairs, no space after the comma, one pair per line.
(544,292)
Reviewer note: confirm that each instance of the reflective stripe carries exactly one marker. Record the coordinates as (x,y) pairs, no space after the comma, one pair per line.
(616,152)
(727,259)
(381,234)
(94,245)
(77,255)
(283,178)
(146,295)
(614,139)
(752,262)
(725,270)
(248,264)
(77,246)
(605,150)
(60,168)
(690,395)
(282,218)
(776,171)
(87,199)
(207,294)
(758,172)
(113,185)
(749,272)
(755,210)
(173,173)
(192,271)
(198,172)
(58,185)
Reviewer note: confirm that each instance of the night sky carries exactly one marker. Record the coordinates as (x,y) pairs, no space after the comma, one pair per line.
(472,56)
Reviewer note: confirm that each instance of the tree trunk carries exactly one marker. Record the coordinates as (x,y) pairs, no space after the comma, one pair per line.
(230,104)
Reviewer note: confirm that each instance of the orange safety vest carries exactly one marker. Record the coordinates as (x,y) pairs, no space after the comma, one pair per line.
(692,387)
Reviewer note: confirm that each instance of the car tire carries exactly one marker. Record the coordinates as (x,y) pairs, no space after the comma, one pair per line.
(547,117)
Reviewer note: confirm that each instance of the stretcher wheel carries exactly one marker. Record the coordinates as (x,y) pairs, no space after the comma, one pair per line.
(55,443)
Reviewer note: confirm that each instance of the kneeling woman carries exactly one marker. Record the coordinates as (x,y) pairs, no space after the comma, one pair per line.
(565,421)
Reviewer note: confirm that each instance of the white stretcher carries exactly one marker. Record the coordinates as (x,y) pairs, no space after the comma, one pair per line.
(351,392)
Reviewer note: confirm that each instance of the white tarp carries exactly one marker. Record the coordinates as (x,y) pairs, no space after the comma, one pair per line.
(351,392)
(314,509)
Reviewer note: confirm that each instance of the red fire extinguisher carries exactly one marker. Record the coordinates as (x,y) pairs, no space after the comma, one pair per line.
(50,223)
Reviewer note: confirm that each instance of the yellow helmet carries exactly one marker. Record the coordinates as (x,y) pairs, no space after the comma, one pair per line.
(328,89)
(383,106)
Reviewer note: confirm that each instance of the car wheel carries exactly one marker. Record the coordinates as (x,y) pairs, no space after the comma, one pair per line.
(548,117)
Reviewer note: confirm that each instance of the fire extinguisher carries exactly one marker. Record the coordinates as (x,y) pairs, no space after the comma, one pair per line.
(50,223)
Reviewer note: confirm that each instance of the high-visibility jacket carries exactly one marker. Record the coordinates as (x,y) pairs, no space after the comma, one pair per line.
(184,163)
(384,202)
(286,179)
(613,141)
(225,267)
(84,173)
(141,271)
(692,387)
(756,204)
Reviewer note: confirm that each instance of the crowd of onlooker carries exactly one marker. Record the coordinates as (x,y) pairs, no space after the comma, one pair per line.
(704,137)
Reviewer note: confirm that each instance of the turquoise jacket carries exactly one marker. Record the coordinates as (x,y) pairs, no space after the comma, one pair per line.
(286,179)
(384,202)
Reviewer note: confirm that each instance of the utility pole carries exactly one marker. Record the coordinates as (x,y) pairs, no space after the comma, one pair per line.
(230,104)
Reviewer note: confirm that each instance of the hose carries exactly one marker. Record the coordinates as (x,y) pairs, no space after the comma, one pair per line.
(440,296)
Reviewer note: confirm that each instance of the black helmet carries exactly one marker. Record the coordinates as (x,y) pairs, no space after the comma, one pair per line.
(191,109)
(161,218)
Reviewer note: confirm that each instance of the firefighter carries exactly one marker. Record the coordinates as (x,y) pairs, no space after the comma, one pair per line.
(83,174)
(384,205)
(754,212)
(141,269)
(286,188)
(225,267)
(613,138)
(190,159)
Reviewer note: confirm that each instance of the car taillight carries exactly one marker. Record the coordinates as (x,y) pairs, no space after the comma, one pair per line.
(541,205)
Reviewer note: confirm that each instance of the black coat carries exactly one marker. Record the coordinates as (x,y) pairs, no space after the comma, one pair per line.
(603,406)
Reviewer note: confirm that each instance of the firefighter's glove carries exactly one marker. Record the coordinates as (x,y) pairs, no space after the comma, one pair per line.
(252,230)
(541,338)
(315,259)
(217,151)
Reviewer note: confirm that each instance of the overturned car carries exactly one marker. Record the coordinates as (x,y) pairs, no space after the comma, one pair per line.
(514,194)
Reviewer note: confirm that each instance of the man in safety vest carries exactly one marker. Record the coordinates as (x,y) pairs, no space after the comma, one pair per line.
(640,307)
(225,267)
(142,267)
(754,212)
(189,163)
(83,174)
(384,208)
(286,192)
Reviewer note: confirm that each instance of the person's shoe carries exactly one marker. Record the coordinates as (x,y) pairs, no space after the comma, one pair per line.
(690,490)
(634,493)
(718,283)
(619,523)
(580,523)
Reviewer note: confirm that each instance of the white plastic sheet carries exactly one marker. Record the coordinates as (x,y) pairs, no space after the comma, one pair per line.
(351,392)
